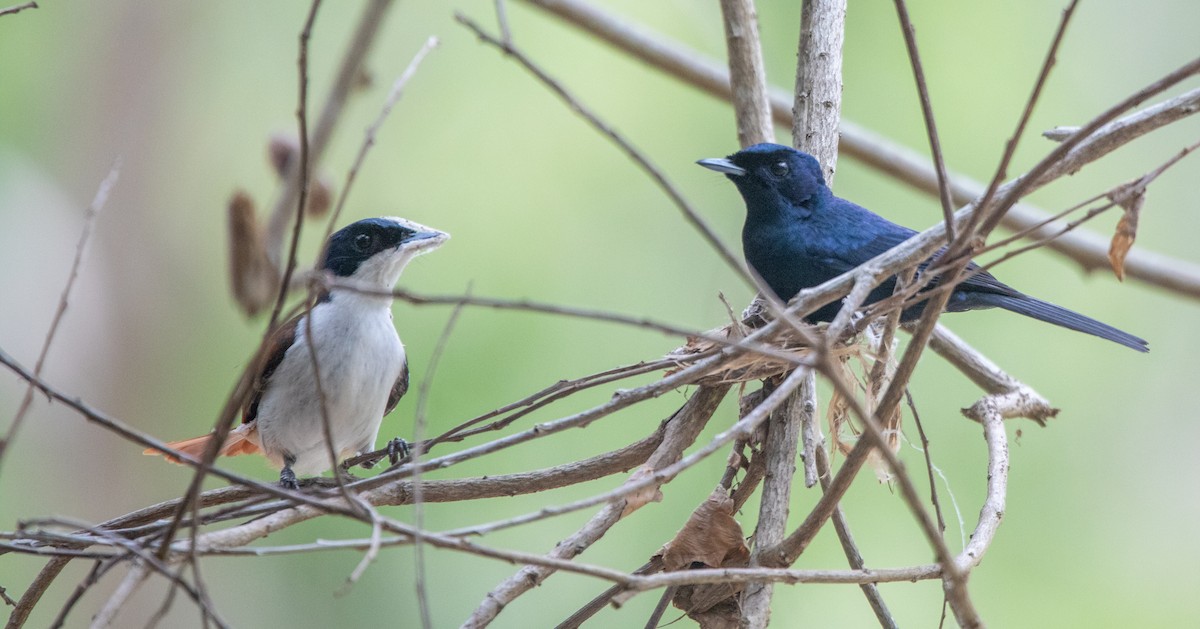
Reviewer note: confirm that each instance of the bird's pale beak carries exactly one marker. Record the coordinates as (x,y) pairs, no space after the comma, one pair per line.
(425,240)
(722,165)
(427,235)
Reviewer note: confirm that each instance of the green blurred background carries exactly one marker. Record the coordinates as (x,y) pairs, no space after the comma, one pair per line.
(1102,514)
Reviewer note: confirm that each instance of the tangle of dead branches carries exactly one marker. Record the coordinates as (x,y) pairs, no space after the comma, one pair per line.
(709,570)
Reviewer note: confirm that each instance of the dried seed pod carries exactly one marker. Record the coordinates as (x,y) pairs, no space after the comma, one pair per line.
(253,278)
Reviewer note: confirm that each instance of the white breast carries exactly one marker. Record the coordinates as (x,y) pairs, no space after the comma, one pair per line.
(360,357)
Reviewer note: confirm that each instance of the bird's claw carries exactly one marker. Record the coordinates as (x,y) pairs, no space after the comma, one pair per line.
(287,479)
(397,449)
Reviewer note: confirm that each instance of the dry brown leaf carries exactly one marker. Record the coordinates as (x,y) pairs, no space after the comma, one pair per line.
(639,499)
(711,537)
(1131,199)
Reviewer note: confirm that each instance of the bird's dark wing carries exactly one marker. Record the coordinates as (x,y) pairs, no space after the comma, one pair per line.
(846,259)
(842,259)
(278,344)
(398,389)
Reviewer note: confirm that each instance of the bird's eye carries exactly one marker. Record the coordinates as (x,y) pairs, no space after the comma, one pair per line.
(362,242)
(780,169)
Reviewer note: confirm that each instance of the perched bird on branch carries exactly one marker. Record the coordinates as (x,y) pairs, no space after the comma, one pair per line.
(798,235)
(362,366)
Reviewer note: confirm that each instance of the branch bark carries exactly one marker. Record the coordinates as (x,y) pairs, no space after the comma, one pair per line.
(752,110)
(817,105)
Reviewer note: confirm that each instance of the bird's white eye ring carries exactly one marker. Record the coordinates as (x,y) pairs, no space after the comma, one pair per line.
(780,169)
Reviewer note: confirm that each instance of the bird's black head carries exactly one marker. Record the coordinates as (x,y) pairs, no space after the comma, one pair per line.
(772,176)
(393,240)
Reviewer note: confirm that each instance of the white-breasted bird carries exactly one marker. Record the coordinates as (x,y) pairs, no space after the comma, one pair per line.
(363,369)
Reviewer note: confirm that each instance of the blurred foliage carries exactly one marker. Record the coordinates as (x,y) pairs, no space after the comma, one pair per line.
(1101,515)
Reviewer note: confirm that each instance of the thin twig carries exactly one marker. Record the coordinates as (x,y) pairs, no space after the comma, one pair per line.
(933,495)
(935,144)
(134,549)
(1084,143)
(348,74)
(850,548)
(242,390)
(419,424)
(373,130)
(89,222)
(1010,147)
(133,580)
(749,345)
(141,439)
(304,167)
(641,160)
(523,407)
(99,569)
(18,8)
(502,21)
(954,578)
(29,599)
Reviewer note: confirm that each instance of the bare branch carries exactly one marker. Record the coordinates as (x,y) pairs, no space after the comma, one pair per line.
(935,144)
(29,599)
(133,580)
(853,556)
(18,8)
(817,106)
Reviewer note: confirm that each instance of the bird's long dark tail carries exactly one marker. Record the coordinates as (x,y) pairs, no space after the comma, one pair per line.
(1048,312)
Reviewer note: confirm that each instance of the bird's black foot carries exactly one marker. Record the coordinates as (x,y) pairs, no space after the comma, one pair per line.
(397,449)
(287,478)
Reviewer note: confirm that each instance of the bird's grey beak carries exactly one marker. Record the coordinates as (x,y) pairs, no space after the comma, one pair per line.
(427,235)
(425,240)
(722,165)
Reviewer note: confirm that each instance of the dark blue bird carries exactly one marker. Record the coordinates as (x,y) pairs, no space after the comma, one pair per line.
(798,235)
